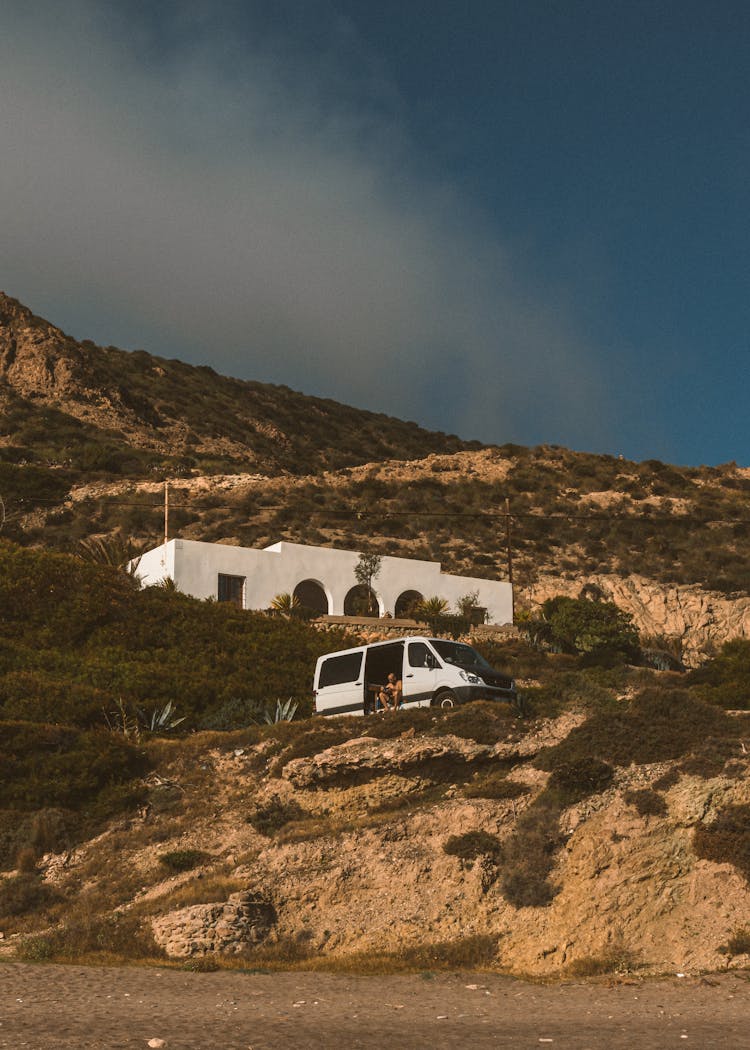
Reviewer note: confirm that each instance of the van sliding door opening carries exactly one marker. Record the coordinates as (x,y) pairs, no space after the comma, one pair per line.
(382,660)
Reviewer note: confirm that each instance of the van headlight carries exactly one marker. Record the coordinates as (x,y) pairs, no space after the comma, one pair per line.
(468,677)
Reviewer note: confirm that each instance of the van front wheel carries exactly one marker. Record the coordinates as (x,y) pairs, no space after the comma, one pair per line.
(446,699)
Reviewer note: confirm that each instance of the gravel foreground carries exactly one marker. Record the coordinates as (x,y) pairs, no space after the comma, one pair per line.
(43,1007)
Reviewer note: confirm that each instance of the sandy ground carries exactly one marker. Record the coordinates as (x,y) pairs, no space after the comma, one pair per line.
(45,1007)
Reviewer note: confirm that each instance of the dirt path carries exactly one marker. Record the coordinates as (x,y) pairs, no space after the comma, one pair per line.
(49,1007)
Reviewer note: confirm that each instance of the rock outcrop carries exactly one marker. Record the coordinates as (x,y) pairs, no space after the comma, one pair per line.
(215,929)
(700,620)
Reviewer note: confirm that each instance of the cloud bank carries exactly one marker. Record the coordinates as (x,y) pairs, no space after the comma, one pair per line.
(209,188)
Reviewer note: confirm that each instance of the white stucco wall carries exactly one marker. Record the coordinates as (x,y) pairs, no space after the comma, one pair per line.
(195,566)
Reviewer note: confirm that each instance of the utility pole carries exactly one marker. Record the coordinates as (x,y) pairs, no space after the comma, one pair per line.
(166,521)
(509,552)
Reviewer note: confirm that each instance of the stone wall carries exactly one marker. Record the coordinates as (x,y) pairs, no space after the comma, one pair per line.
(225,928)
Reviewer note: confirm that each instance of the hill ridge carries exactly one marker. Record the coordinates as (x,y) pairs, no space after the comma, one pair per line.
(189,413)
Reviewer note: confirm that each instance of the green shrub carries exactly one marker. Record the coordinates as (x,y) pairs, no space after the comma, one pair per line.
(660,724)
(529,855)
(571,782)
(597,630)
(24,893)
(44,766)
(184,859)
(33,696)
(78,638)
(484,721)
(272,815)
(725,680)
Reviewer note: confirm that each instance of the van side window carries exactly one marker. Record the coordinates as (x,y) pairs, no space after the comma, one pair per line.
(420,656)
(340,669)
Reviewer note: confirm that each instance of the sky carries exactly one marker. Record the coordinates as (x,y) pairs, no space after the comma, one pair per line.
(515,221)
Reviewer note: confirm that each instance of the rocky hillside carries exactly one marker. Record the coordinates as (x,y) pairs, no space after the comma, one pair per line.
(590,842)
(82,407)
(89,434)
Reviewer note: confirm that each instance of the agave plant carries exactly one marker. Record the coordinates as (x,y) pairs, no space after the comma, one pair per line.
(284,711)
(160,720)
(111,550)
(286,604)
(430,607)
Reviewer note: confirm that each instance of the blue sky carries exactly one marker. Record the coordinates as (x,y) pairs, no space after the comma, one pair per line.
(515,221)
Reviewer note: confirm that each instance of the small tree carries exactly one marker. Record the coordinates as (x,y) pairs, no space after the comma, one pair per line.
(598,631)
(468,606)
(365,571)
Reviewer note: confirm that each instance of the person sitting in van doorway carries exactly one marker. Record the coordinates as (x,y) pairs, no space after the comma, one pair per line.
(391,694)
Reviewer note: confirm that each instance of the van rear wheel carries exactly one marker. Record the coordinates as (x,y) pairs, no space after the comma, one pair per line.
(446,699)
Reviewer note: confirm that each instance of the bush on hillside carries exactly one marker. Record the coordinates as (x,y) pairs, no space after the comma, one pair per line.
(495,785)
(660,724)
(573,781)
(726,840)
(180,860)
(529,854)
(77,638)
(20,894)
(35,696)
(725,680)
(60,766)
(596,630)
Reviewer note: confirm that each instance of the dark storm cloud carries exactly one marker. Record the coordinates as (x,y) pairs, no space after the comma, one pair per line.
(232,198)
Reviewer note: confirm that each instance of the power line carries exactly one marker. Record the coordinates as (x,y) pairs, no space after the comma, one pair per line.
(385,513)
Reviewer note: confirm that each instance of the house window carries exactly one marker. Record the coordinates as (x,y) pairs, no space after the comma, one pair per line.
(232,589)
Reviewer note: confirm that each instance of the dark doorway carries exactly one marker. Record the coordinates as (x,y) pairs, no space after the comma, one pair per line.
(405,603)
(311,596)
(361,601)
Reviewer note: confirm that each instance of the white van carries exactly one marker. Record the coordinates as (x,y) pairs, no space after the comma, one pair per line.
(434,672)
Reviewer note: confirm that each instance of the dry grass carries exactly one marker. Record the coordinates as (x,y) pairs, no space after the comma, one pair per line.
(470,953)
(179,860)
(208,890)
(24,893)
(495,785)
(87,935)
(599,965)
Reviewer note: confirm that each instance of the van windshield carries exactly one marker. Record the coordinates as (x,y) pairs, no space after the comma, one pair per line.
(459,654)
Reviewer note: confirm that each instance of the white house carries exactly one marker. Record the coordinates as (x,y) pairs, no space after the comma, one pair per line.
(321,577)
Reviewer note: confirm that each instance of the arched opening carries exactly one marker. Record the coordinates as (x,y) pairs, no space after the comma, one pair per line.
(406,602)
(361,601)
(311,596)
